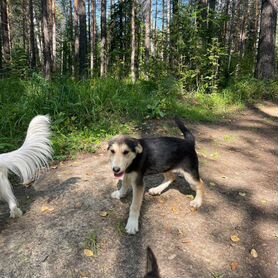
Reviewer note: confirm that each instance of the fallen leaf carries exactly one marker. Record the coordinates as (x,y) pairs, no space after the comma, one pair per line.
(180,231)
(242,194)
(186,241)
(223,177)
(234,266)
(103,213)
(172,257)
(212,184)
(84,274)
(254,253)
(263,201)
(46,209)
(235,238)
(174,209)
(88,253)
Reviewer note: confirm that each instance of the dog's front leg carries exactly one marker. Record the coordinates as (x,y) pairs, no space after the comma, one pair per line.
(134,212)
(6,193)
(121,193)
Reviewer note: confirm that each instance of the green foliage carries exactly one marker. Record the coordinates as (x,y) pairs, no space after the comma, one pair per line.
(87,112)
(250,90)
(19,66)
(197,55)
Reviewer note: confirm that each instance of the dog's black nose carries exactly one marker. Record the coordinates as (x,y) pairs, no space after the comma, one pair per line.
(116,169)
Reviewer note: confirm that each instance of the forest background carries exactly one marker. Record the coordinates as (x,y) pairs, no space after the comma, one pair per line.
(103,67)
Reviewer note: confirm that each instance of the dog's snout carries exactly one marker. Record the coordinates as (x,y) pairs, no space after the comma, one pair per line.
(116,169)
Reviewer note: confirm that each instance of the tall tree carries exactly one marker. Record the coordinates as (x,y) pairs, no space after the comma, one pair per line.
(174,26)
(71,37)
(32,36)
(103,54)
(1,63)
(93,37)
(148,31)
(6,44)
(266,62)
(47,37)
(82,39)
(24,27)
(76,38)
(133,42)
(53,32)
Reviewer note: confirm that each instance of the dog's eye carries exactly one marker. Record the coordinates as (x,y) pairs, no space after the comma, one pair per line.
(112,151)
(125,152)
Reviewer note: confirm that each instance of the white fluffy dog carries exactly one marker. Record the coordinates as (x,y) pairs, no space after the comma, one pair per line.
(26,161)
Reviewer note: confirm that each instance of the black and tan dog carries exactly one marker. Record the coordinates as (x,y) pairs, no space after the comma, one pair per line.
(132,159)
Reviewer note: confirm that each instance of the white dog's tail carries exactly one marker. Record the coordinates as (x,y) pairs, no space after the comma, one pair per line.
(35,152)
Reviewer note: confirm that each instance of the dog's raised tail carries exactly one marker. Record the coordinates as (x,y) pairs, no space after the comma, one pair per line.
(186,132)
(35,152)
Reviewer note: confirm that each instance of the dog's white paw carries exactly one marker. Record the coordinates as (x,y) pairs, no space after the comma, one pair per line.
(15,212)
(116,194)
(196,203)
(154,191)
(132,226)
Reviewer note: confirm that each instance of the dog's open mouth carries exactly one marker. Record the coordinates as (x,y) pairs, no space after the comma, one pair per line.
(119,176)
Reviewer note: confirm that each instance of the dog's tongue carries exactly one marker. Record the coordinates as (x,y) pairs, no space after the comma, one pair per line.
(119,176)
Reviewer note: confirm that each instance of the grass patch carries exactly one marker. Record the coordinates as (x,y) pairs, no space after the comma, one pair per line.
(120,228)
(91,242)
(87,112)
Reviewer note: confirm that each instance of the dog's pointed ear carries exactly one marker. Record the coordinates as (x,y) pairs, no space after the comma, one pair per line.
(110,143)
(152,266)
(139,148)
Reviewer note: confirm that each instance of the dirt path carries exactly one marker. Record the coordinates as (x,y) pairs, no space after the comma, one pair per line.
(70,209)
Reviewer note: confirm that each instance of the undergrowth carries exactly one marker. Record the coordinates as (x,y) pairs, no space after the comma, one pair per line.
(87,112)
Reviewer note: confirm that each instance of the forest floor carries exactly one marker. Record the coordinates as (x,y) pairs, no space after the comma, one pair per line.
(69,209)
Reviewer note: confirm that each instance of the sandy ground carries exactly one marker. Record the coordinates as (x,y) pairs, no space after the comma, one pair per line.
(69,209)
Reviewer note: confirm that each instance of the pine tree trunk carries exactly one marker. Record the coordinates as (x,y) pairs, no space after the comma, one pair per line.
(155,27)
(6,44)
(76,38)
(38,35)
(266,62)
(173,32)
(226,14)
(32,36)
(230,37)
(103,61)
(148,33)
(89,33)
(168,29)
(1,62)
(24,27)
(46,12)
(121,27)
(82,39)
(243,31)
(93,37)
(53,33)
(71,35)
(133,42)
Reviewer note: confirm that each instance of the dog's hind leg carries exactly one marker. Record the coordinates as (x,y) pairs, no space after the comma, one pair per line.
(121,193)
(197,185)
(169,177)
(7,194)
(132,225)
